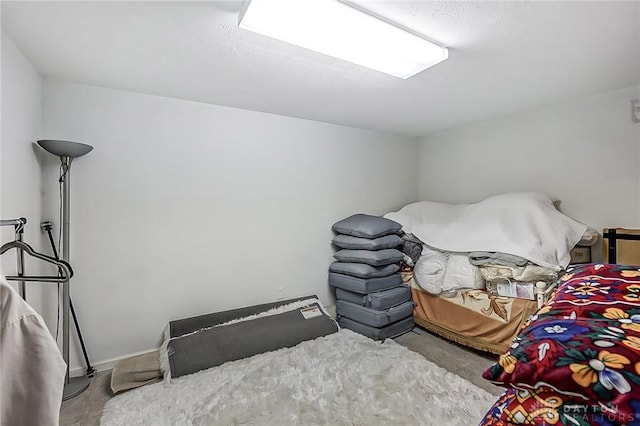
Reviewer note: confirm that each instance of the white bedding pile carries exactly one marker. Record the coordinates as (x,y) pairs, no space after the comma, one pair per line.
(437,272)
(524,224)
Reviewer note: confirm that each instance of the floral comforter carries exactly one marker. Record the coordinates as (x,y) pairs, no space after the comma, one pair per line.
(577,360)
(473,318)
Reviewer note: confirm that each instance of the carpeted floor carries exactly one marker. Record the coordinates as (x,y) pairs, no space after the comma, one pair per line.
(465,362)
(86,408)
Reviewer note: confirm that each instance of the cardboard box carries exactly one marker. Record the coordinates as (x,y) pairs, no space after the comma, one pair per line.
(581,254)
(620,245)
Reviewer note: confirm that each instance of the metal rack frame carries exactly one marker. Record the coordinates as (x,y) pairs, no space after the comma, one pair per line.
(76,385)
(18,224)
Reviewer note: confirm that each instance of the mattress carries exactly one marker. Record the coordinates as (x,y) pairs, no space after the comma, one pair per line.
(377,300)
(387,332)
(374,317)
(241,335)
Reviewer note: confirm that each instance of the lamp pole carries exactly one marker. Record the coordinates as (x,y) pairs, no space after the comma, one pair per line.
(67,151)
(70,390)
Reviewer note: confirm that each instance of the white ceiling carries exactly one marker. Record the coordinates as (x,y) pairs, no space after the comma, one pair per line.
(505,57)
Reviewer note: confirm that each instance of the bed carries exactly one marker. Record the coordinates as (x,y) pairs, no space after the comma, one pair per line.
(478,271)
(577,361)
(472,318)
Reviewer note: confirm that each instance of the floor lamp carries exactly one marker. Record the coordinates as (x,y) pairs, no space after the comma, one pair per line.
(67,151)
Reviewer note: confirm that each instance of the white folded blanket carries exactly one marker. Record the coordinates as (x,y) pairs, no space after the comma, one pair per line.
(524,224)
(530,272)
(461,274)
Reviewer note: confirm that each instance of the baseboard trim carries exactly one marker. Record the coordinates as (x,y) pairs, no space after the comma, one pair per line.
(106,364)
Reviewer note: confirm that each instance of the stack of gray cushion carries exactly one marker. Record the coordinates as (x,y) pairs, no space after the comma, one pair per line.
(371,298)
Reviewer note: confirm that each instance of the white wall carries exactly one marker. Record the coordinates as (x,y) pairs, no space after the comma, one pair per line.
(20,190)
(586,153)
(185,208)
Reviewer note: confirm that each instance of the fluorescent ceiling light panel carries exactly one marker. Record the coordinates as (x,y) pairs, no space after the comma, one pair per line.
(344,32)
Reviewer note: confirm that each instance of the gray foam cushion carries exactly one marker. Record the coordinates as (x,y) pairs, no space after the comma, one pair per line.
(366,226)
(362,270)
(374,317)
(370,257)
(359,243)
(377,300)
(364,285)
(392,330)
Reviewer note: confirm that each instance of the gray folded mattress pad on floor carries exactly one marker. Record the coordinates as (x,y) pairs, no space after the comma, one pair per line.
(205,341)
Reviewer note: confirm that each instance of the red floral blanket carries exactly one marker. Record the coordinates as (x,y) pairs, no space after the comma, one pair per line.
(577,360)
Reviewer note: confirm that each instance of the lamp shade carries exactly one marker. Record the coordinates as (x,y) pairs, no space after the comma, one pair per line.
(65,148)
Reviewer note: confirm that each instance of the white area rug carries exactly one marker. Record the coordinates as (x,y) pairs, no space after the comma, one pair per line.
(340,379)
